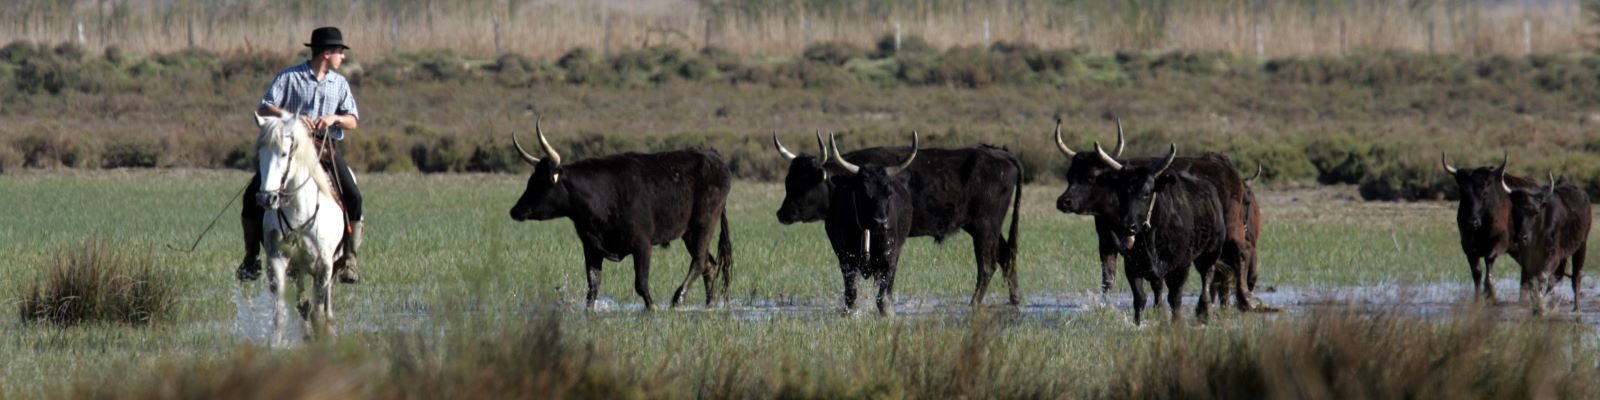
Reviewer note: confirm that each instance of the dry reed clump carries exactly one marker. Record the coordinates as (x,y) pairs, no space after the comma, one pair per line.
(1342,355)
(531,362)
(99,283)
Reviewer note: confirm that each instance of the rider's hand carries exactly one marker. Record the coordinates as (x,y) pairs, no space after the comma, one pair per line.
(325,122)
(308,121)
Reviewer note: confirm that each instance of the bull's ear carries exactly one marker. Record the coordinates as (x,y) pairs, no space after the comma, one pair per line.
(1164,180)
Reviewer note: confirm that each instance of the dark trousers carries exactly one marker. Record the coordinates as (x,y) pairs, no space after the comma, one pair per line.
(351,195)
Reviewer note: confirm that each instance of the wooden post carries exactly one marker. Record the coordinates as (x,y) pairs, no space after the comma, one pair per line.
(394,34)
(1430,37)
(497,48)
(897,36)
(1527,37)
(1343,45)
(985,32)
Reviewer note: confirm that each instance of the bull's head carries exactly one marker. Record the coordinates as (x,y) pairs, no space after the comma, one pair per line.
(871,187)
(546,195)
(1084,193)
(1136,188)
(1479,190)
(1528,211)
(806,186)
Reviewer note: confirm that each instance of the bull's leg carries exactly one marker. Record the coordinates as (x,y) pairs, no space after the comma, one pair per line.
(1138,299)
(983,249)
(1157,287)
(886,289)
(591,263)
(1577,274)
(1108,264)
(1175,279)
(1208,277)
(641,276)
(1482,277)
(1237,254)
(697,242)
(851,276)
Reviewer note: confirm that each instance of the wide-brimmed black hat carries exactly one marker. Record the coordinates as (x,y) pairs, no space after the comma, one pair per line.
(326,36)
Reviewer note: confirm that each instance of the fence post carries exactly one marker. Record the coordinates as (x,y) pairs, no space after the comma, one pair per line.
(806,21)
(897,36)
(1255,24)
(1430,37)
(1343,46)
(394,34)
(82,41)
(497,48)
(1527,37)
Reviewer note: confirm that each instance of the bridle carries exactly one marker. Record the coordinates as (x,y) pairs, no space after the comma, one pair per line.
(284,192)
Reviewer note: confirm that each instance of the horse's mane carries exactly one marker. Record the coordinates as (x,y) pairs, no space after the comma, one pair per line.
(305,155)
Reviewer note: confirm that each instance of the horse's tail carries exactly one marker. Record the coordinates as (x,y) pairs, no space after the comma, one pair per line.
(725,255)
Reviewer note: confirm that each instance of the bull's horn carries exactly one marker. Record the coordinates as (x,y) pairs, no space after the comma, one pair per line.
(1108,159)
(1120,141)
(1552,175)
(1060,145)
(1257,175)
(555,158)
(837,158)
(1505,157)
(787,156)
(822,145)
(524,153)
(1172,154)
(1503,185)
(1446,163)
(907,163)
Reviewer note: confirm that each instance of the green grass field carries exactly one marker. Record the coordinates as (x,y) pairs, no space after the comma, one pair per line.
(445,268)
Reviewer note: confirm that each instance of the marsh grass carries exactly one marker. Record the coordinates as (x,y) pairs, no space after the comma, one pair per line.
(99,282)
(459,296)
(1330,354)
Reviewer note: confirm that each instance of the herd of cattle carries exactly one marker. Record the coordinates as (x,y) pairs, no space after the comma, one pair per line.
(1161,214)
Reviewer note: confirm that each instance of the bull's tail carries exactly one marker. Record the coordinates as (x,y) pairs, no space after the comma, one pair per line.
(1008,249)
(725,256)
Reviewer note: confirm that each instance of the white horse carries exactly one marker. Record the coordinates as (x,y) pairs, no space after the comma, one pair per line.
(303,223)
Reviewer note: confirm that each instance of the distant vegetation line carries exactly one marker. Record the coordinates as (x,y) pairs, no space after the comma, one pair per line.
(785,27)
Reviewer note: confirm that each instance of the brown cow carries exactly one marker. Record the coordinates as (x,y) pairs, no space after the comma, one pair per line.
(1549,226)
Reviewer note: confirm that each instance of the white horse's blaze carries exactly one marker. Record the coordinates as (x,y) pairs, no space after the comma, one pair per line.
(304,224)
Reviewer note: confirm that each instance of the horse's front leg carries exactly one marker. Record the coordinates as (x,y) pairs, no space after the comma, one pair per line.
(277,267)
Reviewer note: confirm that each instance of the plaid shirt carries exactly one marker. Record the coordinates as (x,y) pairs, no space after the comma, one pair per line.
(296,90)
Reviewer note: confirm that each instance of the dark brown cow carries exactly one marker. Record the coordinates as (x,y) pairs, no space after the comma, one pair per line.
(1550,227)
(1484,218)
(622,205)
(1087,194)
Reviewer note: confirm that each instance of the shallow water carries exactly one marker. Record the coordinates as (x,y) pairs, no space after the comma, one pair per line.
(254,306)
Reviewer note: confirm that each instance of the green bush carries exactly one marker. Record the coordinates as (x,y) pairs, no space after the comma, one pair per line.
(131,154)
(909,44)
(583,66)
(833,53)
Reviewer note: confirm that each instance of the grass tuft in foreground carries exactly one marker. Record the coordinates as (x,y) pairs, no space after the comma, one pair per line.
(99,282)
(1330,355)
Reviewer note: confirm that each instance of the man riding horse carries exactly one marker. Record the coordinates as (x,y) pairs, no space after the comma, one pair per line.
(322,98)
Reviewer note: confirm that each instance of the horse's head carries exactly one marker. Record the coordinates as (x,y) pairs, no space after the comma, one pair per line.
(283,141)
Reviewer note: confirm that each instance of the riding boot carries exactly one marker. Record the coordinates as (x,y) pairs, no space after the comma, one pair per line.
(348,273)
(250,268)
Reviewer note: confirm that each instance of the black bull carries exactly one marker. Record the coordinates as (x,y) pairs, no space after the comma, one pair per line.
(1484,218)
(868,224)
(1087,193)
(951,189)
(1166,220)
(623,204)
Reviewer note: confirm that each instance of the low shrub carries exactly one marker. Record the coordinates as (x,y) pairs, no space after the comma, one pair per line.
(131,154)
(833,53)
